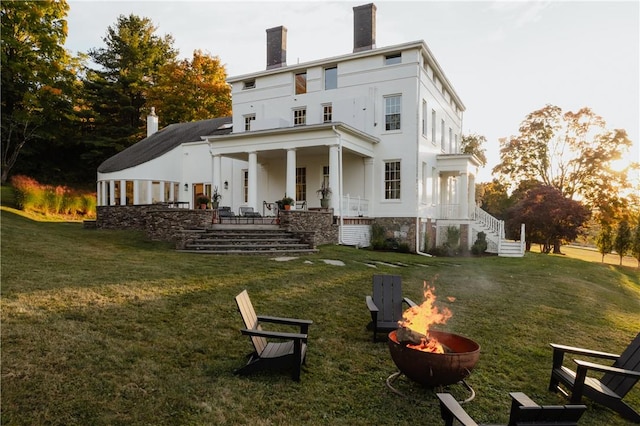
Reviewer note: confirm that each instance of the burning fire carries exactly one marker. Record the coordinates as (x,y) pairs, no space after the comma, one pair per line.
(418,319)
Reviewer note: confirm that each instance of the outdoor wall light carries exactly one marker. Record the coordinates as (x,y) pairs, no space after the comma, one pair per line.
(186,186)
(226,184)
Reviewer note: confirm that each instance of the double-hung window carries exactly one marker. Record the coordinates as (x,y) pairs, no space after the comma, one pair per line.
(327,113)
(299,117)
(392,112)
(392,180)
(247,121)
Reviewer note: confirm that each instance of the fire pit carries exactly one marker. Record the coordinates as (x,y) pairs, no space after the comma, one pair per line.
(429,357)
(436,369)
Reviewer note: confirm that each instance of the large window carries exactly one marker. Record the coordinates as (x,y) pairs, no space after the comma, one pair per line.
(301,183)
(392,112)
(330,78)
(300,117)
(443,145)
(433,126)
(301,83)
(245,186)
(392,180)
(424,118)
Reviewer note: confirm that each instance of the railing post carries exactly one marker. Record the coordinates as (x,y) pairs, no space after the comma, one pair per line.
(522,238)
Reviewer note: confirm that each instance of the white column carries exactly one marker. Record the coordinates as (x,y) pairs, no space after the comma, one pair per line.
(162,191)
(334,173)
(290,189)
(216,172)
(463,196)
(99,197)
(136,192)
(369,184)
(443,196)
(123,192)
(252,190)
(172,192)
(472,196)
(149,192)
(112,192)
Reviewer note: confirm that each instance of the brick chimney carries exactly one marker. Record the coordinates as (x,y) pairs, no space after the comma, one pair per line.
(364,27)
(152,122)
(276,47)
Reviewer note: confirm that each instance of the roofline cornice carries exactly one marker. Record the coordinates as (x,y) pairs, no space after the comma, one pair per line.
(421,44)
(297,129)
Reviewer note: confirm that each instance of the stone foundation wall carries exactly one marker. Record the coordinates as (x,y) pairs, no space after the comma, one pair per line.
(401,229)
(315,224)
(158,222)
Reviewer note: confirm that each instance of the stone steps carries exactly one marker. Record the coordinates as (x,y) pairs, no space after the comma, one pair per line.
(247,240)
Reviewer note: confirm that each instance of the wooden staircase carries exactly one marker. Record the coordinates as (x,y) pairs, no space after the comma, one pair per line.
(247,239)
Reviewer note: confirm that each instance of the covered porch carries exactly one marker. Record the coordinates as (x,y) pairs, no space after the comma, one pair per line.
(295,162)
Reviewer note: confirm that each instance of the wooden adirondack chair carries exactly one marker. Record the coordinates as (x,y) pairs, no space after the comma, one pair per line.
(524,411)
(609,390)
(386,304)
(289,354)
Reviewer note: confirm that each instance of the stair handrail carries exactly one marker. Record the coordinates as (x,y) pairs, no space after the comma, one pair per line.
(493,224)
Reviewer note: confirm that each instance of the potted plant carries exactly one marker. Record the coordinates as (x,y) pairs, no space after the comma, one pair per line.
(202,200)
(215,198)
(285,203)
(324,193)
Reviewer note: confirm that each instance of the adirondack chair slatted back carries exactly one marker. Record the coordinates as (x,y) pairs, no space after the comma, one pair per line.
(387,295)
(549,414)
(250,320)
(629,360)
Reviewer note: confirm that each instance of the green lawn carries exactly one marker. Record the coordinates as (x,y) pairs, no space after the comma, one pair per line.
(107,328)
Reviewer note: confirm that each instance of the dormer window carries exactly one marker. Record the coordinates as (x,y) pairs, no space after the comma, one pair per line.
(249,84)
(394,58)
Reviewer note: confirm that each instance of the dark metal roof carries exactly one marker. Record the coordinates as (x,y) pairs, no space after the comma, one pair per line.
(163,141)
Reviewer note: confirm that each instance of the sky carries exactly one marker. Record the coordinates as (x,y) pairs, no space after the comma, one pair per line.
(505,59)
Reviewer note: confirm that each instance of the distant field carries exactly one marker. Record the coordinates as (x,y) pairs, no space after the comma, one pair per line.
(591,255)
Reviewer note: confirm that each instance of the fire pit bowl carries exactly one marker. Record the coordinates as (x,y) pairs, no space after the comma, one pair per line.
(436,369)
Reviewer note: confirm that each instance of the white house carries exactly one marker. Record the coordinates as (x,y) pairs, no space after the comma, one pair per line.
(380,125)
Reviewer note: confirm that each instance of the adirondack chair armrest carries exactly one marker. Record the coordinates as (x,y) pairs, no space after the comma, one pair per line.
(582,351)
(605,369)
(302,323)
(522,400)
(451,409)
(409,302)
(273,334)
(371,304)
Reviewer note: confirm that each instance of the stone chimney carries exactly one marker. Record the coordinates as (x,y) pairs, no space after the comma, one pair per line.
(276,47)
(152,122)
(364,27)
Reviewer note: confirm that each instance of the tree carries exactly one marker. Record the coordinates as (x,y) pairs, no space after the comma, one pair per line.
(635,242)
(549,217)
(117,90)
(191,90)
(472,144)
(572,152)
(35,73)
(494,198)
(622,242)
(604,240)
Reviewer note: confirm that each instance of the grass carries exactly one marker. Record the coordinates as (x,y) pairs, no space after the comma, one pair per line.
(107,328)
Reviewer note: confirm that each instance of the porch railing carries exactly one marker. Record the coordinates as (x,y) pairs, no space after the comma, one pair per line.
(449,211)
(354,206)
(491,223)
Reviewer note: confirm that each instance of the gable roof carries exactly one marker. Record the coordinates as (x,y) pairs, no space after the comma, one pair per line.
(163,141)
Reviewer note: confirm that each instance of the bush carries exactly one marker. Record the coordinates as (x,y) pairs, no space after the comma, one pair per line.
(480,245)
(51,200)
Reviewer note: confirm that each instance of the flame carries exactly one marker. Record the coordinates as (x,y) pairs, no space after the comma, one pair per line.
(420,318)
